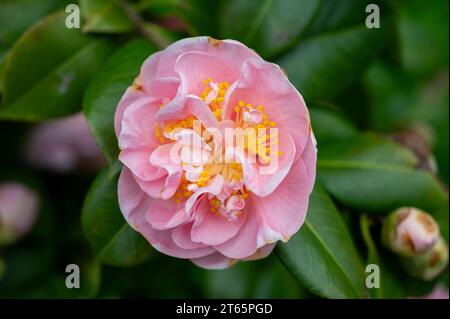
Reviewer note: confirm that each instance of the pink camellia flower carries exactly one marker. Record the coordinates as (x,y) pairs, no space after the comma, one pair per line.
(64,145)
(200,200)
(18,211)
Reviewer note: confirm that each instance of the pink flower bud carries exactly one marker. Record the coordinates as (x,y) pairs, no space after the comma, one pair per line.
(430,264)
(18,211)
(409,231)
(64,145)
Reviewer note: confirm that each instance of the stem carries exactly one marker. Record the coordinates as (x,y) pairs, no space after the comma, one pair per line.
(140,23)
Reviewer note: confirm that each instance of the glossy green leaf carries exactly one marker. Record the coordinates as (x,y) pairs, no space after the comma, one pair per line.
(401,100)
(58,63)
(273,26)
(371,174)
(114,242)
(17,15)
(106,89)
(421,26)
(104,16)
(197,17)
(322,255)
(329,125)
(324,65)
(366,147)
(337,14)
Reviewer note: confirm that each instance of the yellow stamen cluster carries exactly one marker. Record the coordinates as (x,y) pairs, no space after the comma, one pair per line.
(215,203)
(186,123)
(234,171)
(182,191)
(216,104)
(204,178)
(159,132)
(242,107)
(262,143)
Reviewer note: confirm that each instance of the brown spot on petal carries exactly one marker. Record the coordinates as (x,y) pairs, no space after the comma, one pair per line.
(427,223)
(403,215)
(406,239)
(137,84)
(434,259)
(214,42)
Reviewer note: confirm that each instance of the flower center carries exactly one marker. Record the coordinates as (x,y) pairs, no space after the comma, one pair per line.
(259,140)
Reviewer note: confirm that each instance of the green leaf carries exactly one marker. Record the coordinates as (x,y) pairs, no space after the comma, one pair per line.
(17,15)
(114,242)
(272,27)
(324,65)
(368,147)
(401,100)
(104,16)
(58,63)
(107,88)
(322,255)
(197,17)
(337,14)
(371,174)
(329,125)
(421,26)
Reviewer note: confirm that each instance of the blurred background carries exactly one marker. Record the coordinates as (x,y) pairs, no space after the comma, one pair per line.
(392,81)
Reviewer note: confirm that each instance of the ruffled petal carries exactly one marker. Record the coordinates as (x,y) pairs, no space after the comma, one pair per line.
(264,83)
(282,213)
(214,261)
(194,67)
(212,229)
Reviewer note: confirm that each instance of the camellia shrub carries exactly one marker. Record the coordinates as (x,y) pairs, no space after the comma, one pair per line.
(224,149)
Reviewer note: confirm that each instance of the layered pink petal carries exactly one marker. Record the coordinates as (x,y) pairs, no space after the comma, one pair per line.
(214,261)
(284,211)
(243,244)
(232,52)
(137,129)
(180,108)
(149,69)
(195,66)
(162,241)
(135,207)
(131,95)
(262,180)
(182,237)
(163,157)
(264,83)
(262,252)
(212,229)
(138,161)
(132,199)
(166,214)
(309,158)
